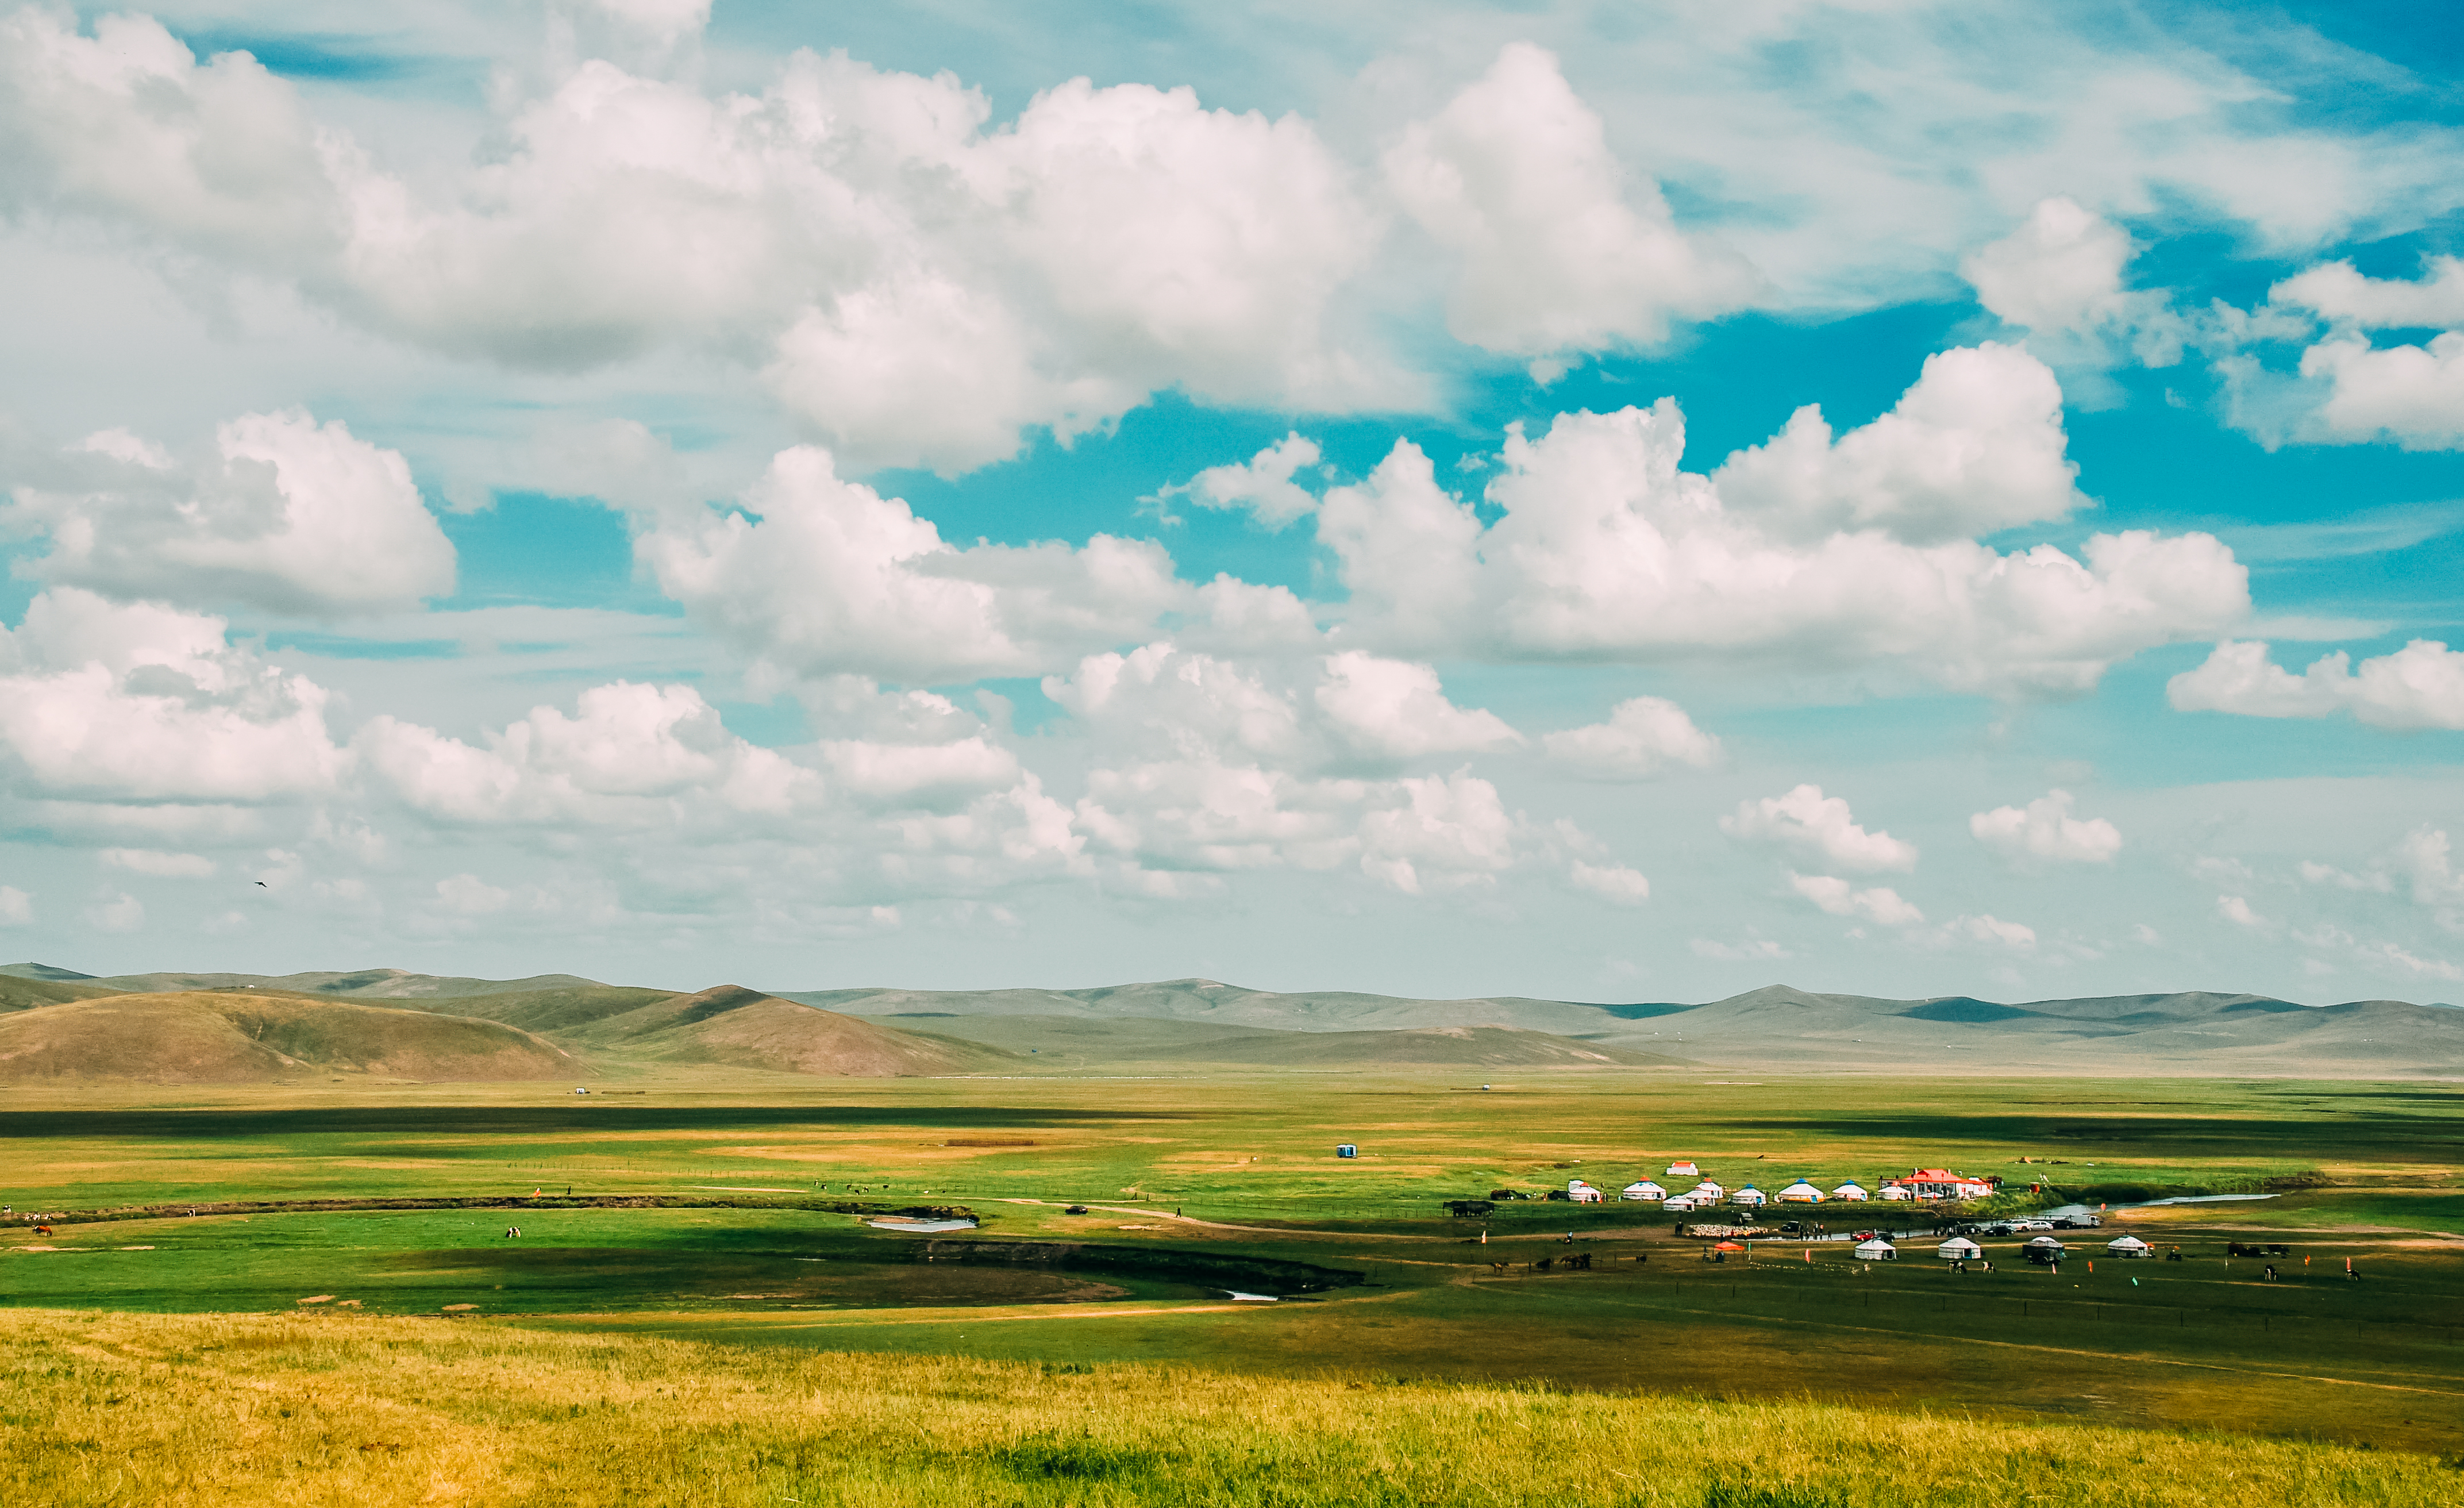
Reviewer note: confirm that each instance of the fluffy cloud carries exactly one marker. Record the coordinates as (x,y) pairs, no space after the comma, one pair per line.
(925,288)
(822,577)
(2419,686)
(1556,253)
(1605,549)
(283,514)
(2018,936)
(632,755)
(1263,484)
(2059,276)
(2425,857)
(1975,446)
(146,703)
(2044,828)
(2338,293)
(1644,735)
(114,911)
(1445,831)
(1328,711)
(2411,394)
(16,907)
(1809,822)
(1840,899)
(1392,710)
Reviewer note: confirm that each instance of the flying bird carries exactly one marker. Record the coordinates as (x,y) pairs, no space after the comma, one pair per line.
(262,885)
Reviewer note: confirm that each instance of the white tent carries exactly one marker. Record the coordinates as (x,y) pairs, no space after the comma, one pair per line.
(1582,1193)
(1645,1189)
(2129,1245)
(1683,1170)
(1681,1202)
(1707,1192)
(1800,1192)
(1876,1250)
(1851,1192)
(1897,1192)
(1748,1195)
(1959,1248)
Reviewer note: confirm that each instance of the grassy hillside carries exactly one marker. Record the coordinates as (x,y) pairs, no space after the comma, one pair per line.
(330,1408)
(740,1028)
(250,1036)
(366,983)
(19,992)
(1081,1041)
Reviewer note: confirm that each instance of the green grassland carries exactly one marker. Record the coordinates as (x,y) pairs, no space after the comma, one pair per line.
(1195,1187)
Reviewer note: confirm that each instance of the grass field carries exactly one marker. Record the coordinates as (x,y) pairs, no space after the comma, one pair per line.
(332,1408)
(1237,1172)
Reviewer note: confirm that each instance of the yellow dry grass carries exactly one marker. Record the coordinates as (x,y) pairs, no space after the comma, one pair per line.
(326,1408)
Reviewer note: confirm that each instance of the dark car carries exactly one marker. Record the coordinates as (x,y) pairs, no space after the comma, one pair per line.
(1501,1195)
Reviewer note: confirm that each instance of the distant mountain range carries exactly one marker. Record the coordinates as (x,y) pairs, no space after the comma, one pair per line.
(572,1023)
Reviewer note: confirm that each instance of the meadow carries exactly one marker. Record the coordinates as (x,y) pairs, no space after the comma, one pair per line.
(1426,1328)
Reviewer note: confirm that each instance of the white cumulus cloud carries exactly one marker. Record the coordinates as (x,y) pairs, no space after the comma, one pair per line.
(2044,828)
(158,865)
(1263,484)
(1644,736)
(1840,899)
(1809,822)
(1555,251)
(1614,883)
(16,907)
(2419,686)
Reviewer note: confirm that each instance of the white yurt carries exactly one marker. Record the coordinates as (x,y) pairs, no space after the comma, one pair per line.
(1643,1189)
(1683,1170)
(1959,1248)
(1582,1193)
(1897,1192)
(1852,1193)
(1800,1192)
(1749,1195)
(2130,1246)
(1681,1202)
(1707,1192)
(1876,1250)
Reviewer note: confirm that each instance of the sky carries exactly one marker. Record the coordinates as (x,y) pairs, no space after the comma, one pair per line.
(1614,502)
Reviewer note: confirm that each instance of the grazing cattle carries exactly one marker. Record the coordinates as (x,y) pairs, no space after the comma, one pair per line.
(1580,1262)
(1501,1268)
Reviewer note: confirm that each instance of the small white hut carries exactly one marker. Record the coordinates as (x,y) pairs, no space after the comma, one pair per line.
(1749,1195)
(1707,1192)
(1679,1202)
(1683,1170)
(1853,1192)
(2130,1246)
(1644,1189)
(1582,1193)
(1898,1192)
(1959,1248)
(1876,1250)
(1800,1192)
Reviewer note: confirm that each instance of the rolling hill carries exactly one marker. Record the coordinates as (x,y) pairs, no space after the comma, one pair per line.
(248,1035)
(1200,1023)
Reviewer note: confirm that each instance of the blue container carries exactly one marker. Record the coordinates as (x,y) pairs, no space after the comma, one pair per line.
(1347,1149)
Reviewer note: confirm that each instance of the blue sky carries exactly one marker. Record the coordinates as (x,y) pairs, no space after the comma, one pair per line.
(1627,504)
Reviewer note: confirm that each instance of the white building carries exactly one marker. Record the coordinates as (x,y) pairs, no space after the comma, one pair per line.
(1644,1189)
(2130,1246)
(1582,1193)
(1959,1248)
(1897,1192)
(1748,1195)
(1707,1192)
(1852,1193)
(1876,1250)
(1800,1192)
(1683,1170)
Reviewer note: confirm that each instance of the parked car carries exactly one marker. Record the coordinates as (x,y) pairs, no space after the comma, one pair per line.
(1501,1195)
(2033,1223)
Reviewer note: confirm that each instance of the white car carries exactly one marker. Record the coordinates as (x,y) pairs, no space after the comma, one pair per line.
(2031,1225)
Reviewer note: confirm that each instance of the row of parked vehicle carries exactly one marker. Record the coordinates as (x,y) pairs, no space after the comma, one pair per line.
(2025,1223)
